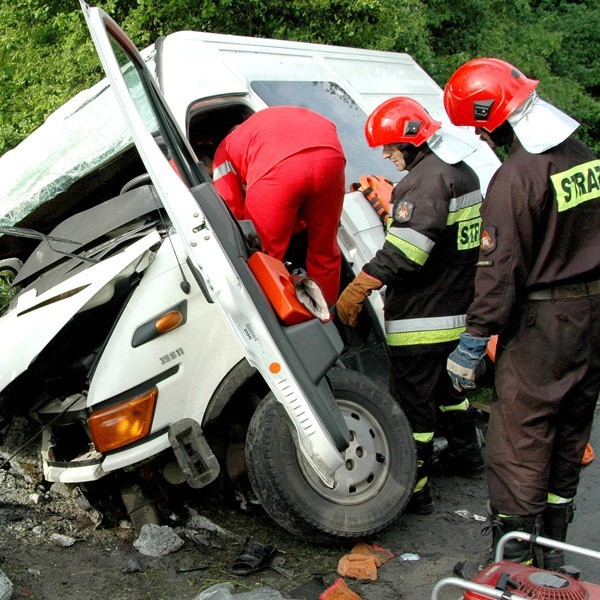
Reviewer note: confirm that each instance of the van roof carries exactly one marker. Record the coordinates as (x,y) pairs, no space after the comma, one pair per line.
(194,67)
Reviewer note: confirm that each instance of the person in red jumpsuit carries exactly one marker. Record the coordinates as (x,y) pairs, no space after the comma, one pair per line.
(283,168)
(538,287)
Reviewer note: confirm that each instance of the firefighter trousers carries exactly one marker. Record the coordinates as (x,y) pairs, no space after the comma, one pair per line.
(547,381)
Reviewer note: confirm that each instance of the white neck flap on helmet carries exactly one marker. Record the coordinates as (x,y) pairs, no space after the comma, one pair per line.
(452,144)
(539,125)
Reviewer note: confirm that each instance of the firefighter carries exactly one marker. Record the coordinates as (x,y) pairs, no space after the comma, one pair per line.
(427,264)
(283,168)
(538,287)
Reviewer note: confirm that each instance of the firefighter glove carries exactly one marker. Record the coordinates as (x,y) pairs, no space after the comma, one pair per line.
(465,364)
(350,302)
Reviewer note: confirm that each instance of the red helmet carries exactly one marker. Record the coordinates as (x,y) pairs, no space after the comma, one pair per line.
(484,92)
(399,120)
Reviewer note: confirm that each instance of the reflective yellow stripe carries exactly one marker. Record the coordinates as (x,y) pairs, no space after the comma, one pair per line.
(414,245)
(426,330)
(554,499)
(577,185)
(464,214)
(428,337)
(464,405)
(423,437)
(420,484)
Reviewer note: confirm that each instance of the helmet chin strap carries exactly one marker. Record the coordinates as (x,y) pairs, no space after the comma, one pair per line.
(503,135)
(411,153)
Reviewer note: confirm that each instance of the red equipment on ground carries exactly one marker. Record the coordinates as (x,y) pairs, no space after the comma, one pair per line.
(508,580)
(531,582)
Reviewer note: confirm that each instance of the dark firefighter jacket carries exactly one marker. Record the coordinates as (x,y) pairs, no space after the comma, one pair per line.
(428,259)
(541,220)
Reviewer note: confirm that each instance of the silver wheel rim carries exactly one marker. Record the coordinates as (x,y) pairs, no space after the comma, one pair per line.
(367,460)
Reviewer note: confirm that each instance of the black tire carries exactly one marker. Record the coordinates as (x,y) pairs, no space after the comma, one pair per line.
(374,485)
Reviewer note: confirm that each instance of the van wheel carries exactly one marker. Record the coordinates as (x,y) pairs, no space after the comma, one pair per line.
(373,486)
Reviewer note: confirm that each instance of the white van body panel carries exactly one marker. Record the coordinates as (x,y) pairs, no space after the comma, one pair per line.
(193,65)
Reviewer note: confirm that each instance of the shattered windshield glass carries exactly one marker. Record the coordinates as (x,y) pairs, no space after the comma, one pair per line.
(82,134)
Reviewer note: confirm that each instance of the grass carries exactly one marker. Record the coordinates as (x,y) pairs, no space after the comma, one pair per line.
(481,398)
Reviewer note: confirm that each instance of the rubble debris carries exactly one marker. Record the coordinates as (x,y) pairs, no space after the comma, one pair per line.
(156,540)
(62,540)
(6,587)
(278,565)
(224,591)
(191,569)
(197,521)
(310,589)
(133,566)
(220,591)
(140,509)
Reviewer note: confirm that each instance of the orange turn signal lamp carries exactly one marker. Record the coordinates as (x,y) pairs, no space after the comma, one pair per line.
(169,321)
(123,423)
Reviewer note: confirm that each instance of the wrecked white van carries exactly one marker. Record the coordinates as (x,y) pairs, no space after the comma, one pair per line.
(141,335)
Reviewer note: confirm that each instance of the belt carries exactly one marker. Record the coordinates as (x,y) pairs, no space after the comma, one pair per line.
(560,292)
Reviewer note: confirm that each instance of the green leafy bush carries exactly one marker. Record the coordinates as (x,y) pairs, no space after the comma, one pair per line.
(6,292)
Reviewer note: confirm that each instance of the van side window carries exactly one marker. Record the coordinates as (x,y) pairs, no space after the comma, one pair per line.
(333,102)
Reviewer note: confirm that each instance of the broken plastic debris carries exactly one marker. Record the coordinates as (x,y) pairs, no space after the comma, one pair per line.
(465,514)
(223,591)
(220,591)
(278,565)
(409,556)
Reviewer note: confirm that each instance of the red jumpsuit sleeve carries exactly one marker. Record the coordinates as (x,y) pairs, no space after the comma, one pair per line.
(228,182)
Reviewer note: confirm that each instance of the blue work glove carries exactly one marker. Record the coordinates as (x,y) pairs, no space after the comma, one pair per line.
(465,363)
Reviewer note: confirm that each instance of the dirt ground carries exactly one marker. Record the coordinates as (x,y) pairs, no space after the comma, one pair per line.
(96,566)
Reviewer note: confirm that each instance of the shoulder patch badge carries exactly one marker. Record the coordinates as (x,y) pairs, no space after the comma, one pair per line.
(487,242)
(404,212)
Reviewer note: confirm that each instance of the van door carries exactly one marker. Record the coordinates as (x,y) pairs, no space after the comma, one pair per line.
(218,254)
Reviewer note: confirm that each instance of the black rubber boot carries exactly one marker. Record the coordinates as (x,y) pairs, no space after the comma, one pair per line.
(519,551)
(516,550)
(555,522)
(464,455)
(421,502)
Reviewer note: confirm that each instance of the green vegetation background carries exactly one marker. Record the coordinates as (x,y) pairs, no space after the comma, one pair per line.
(46,55)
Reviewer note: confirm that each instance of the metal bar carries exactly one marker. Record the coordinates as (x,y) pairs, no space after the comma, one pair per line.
(541,541)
